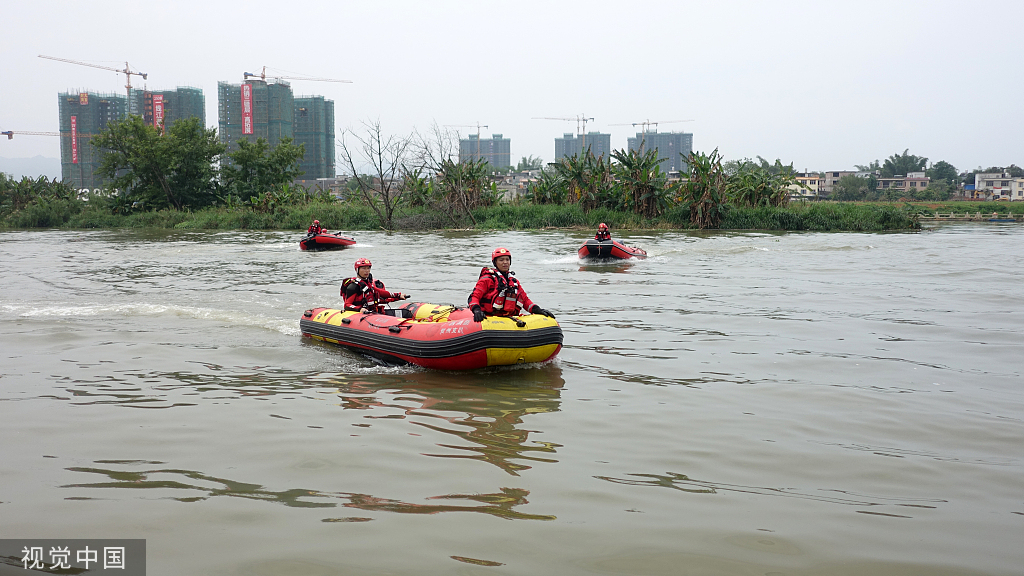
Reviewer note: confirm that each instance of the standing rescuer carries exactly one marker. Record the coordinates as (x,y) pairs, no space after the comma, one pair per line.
(315,228)
(364,294)
(499,293)
(602,233)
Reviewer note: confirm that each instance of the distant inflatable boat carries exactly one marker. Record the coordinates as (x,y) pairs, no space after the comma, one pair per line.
(594,248)
(326,242)
(437,336)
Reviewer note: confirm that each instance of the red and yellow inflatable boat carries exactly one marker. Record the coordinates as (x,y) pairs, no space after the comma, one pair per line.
(442,337)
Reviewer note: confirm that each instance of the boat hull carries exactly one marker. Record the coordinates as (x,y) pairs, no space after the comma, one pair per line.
(436,336)
(326,242)
(594,248)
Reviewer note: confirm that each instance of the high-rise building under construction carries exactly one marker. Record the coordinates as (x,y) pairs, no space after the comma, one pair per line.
(165,107)
(254,109)
(314,128)
(572,145)
(497,151)
(673,148)
(83,115)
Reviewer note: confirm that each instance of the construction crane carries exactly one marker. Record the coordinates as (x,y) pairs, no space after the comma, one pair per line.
(263,76)
(478,126)
(10,133)
(645,124)
(580,119)
(127,71)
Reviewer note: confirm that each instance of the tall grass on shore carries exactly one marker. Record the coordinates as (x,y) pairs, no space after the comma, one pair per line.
(933,208)
(822,216)
(349,216)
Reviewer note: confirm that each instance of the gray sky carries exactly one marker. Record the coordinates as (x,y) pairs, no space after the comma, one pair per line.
(824,84)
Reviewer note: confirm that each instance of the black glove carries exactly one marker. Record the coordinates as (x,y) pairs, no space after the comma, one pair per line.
(538,310)
(478,314)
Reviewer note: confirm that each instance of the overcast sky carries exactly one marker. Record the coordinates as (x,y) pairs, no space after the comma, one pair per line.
(823,84)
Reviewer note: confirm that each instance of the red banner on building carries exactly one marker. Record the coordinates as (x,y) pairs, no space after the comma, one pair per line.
(246,108)
(158,111)
(74,139)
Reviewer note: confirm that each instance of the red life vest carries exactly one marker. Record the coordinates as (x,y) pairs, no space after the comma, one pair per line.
(367,297)
(602,236)
(503,299)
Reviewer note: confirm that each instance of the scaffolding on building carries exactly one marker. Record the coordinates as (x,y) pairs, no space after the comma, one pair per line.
(314,129)
(91,111)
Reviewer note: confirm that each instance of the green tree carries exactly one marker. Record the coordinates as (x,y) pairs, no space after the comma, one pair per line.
(706,190)
(548,188)
(529,163)
(850,187)
(936,190)
(641,181)
(903,164)
(944,171)
(761,185)
(174,170)
(588,179)
(869,167)
(255,169)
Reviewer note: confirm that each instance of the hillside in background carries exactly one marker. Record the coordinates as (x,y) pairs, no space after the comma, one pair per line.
(32,167)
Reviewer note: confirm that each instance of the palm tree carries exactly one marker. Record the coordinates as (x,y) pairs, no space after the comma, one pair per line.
(640,178)
(706,191)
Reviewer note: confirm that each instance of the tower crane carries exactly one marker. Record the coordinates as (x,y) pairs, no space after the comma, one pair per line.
(10,133)
(478,126)
(580,119)
(127,71)
(263,76)
(647,123)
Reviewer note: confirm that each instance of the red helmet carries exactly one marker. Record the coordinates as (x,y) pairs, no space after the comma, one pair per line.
(602,226)
(362,262)
(316,221)
(500,252)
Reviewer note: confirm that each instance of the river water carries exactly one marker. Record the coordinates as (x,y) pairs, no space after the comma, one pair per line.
(739,403)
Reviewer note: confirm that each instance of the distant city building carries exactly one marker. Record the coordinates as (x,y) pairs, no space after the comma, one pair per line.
(807,185)
(571,145)
(497,151)
(669,145)
(913,181)
(165,107)
(830,179)
(82,116)
(997,186)
(314,128)
(255,109)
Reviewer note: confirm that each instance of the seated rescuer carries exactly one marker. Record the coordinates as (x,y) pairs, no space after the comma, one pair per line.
(602,233)
(499,293)
(315,228)
(364,294)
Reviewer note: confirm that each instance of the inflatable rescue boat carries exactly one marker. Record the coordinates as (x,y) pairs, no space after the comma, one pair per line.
(594,248)
(326,241)
(442,337)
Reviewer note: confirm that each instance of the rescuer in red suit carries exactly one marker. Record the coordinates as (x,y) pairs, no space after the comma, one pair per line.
(499,293)
(315,228)
(364,294)
(602,233)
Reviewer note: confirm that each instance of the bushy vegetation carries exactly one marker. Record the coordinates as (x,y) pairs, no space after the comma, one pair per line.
(183,179)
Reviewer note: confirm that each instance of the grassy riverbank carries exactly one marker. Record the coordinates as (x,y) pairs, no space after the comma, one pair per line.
(819,216)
